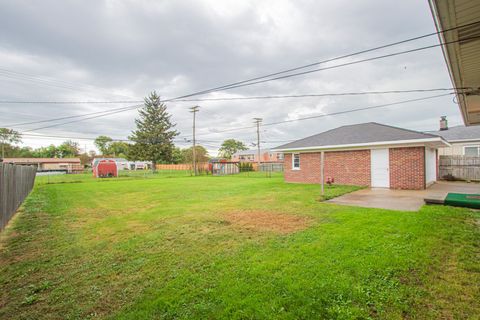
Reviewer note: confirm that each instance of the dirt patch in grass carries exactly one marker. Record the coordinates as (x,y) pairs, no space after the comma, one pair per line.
(267,221)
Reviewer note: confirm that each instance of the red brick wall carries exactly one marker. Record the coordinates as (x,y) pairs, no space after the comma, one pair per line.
(309,168)
(346,167)
(407,168)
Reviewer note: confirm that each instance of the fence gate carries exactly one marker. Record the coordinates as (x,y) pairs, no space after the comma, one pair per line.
(459,168)
(16,182)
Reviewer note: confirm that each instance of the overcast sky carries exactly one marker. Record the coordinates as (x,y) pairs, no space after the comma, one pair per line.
(122,50)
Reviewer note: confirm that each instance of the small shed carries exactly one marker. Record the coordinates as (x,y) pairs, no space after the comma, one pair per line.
(224,168)
(105,169)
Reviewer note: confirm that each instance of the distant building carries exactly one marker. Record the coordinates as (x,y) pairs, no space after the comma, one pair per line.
(68,165)
(464,141)
(266,155)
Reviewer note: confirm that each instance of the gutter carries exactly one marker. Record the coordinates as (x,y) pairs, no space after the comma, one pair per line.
(363,145)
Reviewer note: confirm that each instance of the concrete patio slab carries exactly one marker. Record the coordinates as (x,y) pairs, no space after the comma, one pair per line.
(404,200)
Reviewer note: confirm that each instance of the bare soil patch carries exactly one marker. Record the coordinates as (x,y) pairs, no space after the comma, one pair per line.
(267,221)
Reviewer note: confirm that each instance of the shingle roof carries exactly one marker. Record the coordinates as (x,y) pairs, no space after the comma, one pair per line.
(459,133)
(357,134)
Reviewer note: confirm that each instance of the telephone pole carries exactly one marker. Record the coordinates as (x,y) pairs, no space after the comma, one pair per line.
(258,121)
(194,110)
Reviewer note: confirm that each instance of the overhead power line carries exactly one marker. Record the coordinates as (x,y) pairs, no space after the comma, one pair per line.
(359,109)
(72,117)
(347,63)
(47,81)
(68,102)
(43,136)
(233,98)
(306,95)
(266,80)
(242,82)
(76,86)
(249,82)
(329,114)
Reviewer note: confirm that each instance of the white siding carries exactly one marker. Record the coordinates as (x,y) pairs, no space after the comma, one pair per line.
(456,149)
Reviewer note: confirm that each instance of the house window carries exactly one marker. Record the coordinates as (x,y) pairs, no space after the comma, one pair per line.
(296,161)
(473,151)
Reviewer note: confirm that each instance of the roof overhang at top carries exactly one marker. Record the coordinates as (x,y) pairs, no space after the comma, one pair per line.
(462,57)
(436,142)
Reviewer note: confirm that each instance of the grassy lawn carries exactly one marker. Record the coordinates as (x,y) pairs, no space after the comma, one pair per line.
(237,247)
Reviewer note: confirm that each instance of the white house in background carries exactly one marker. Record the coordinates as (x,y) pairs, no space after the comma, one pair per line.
(122,164)
(464,141)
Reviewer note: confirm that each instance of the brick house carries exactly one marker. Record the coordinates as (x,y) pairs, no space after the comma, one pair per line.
(367,154)
(266,155)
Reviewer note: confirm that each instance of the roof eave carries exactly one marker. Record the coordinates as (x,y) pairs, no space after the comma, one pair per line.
(433,142)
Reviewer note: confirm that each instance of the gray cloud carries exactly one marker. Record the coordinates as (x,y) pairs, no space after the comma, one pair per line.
(117,49)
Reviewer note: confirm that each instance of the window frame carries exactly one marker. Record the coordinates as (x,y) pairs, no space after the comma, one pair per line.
(293,161)
(472,146)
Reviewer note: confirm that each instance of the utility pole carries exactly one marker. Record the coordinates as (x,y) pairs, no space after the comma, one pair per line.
(258,121)
(194,110)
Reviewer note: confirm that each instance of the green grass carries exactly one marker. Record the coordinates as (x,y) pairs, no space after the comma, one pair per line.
(123,175)
(161,248)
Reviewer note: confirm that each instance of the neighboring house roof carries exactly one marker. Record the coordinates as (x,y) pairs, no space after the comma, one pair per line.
(459,133)
(370,133)
(41,160)
(252,151)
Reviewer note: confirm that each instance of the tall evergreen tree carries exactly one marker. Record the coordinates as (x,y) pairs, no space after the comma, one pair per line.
(154,134)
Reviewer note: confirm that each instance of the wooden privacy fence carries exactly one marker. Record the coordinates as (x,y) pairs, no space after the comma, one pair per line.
(459,168)
(16,182)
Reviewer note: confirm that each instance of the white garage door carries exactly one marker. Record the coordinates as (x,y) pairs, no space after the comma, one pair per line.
(380,168)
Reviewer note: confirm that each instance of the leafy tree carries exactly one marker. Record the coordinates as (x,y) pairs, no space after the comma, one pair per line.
(85,158)
(46,152)
(201,154)
(17,152)
(154,134)
(7,137)
(230,146)
(68,149)
(178,156)
(103,144)
(118,149)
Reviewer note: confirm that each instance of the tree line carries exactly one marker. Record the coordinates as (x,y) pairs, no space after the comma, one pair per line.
(152,140)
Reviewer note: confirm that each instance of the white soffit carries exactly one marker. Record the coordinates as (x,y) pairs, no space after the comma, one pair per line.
(463,57)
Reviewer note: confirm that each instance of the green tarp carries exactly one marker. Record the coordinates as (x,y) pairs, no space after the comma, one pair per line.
(463,200)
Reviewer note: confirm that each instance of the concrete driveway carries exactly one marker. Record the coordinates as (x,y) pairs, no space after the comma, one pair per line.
(405,200)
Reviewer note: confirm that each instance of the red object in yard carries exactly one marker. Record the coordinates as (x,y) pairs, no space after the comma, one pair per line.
(330,181)
(105,169)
